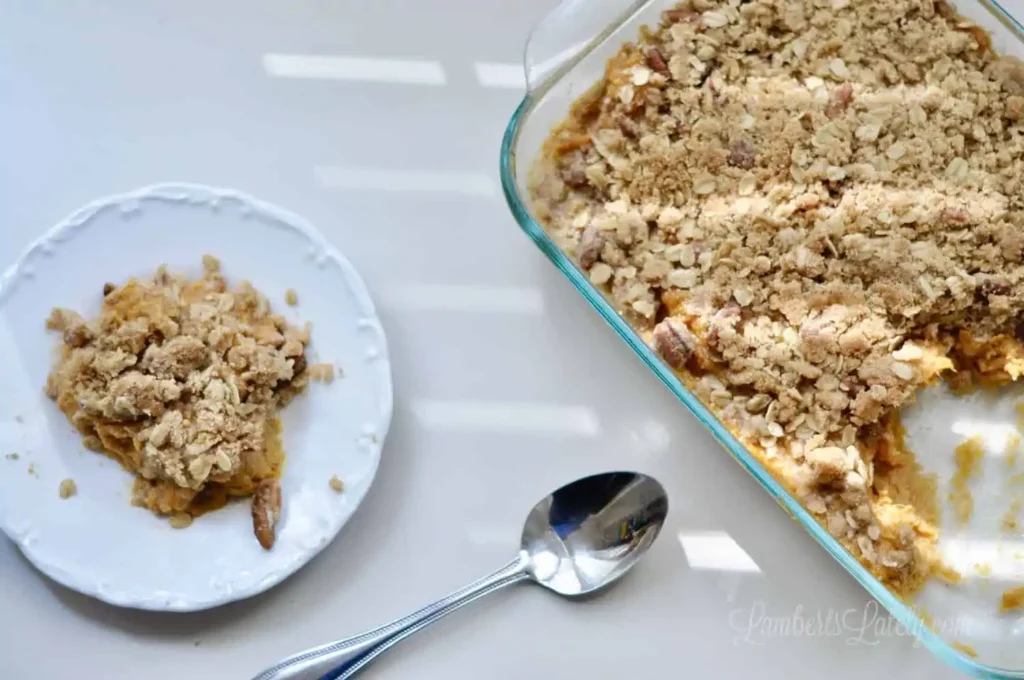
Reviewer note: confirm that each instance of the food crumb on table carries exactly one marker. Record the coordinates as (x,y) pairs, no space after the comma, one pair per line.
(291,297)
(1012,599)
(68,488)
(13,456)
(336,484)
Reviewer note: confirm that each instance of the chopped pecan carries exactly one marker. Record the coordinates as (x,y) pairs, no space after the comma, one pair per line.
(981,37)
(989,287)
(656,61)
(574,169)
(840,100)
(629,127)
(945,10)
(266,511)
(674,342)
(956,215)
(742,154)
(589,250)
(678,15)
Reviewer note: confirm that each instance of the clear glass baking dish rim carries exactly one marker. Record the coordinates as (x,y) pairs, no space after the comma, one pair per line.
(536,89)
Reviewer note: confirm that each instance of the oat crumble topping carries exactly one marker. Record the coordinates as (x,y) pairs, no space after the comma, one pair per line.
(180,381)
(810,210)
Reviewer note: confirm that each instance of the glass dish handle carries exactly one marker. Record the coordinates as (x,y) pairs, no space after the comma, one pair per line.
(568,32)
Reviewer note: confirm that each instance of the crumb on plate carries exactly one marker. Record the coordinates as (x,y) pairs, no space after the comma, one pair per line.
(291,297)
(68,488)
(180,520)
(336,484)
(322,373)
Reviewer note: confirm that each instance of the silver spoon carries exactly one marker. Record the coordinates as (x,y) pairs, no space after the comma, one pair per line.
(577,540)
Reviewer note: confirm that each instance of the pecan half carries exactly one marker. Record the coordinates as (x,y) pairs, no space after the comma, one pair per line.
(656,61)
(266,510)
(674,342)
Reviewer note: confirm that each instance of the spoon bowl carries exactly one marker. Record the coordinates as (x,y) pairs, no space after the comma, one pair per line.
(577,540)
(589,533)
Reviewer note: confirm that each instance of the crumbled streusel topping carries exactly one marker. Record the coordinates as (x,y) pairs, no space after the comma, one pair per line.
(806,206)
(180,381)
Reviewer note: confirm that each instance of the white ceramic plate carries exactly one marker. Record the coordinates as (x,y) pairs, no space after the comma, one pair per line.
(96,542)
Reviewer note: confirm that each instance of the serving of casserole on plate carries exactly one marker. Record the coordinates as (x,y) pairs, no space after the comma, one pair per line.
(198,385)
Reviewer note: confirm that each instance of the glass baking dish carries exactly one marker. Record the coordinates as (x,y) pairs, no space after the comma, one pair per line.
(566,55)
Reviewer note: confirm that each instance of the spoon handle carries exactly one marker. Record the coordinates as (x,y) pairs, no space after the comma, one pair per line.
(343,659)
